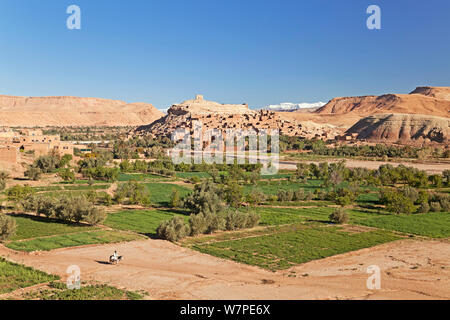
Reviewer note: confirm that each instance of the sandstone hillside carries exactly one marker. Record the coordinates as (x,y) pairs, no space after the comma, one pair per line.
(431,101)
(73,111)
(403,128)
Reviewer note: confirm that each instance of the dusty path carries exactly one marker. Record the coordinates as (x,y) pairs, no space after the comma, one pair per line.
(410,269)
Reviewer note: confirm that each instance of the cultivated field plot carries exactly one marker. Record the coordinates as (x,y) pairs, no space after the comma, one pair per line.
(160,192)
(140,221)
(284,248)
(43,286)
(14,276)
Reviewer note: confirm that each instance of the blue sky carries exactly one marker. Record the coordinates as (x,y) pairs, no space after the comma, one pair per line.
(255,51)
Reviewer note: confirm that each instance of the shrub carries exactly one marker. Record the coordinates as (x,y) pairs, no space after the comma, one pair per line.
(66,174)
(95,215)
(424,208)
(206,198)
(445,204)
(235,220)
(256,197)
(132,193)
(198,224)
(7,227)
(18,192)
(175,198)
(285,195)
(205,223)
(33,173)
(435,207)
(339,216)
(3,177)
(173,230)
(299,195)
(344,201)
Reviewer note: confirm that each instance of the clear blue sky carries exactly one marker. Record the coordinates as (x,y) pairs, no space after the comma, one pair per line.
(256,51)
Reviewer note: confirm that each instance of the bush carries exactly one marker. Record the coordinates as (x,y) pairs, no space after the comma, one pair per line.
(95,215)
(299,195)
(424,208)
(173,230)
(235,220)
(256,197)
(285,195)
(339,216)
(175,198)
(205,223)
(3,177)
(132,193)
(18,192)
(198,224)
(64,208)
(206,198)
(435,207)
(66,174)
(445,204)
(7,227)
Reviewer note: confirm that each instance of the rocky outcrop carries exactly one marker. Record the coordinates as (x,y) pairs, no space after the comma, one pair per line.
(73,111)
(434,92)
(424,100)
(411,129)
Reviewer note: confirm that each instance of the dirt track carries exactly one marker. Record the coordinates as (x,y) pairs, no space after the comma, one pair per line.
(410,269)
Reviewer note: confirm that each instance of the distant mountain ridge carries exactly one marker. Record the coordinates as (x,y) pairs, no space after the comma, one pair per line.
(73,111)
(433,101)
(289,106)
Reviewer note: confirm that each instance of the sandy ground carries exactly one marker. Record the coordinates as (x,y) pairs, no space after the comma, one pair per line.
(410,269)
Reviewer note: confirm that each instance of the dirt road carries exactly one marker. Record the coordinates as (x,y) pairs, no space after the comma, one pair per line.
(410,269)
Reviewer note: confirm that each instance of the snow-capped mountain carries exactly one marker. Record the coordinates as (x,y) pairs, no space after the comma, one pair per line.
(288,106)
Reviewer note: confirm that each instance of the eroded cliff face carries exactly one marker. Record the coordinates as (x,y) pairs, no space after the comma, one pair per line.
(433,101)
(411,129)
(74,111)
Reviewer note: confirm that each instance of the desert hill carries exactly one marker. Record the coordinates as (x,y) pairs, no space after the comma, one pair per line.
(403,128)
(73,111)
(433,101)
(435,92)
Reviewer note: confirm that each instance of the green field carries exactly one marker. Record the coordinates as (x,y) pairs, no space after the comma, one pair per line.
(160,192)
(434,225)
(139,177)
(71,240)
(187,175)
(14,276)
(272,187)
(32,226)
(141,221)
(59,291)
(286,249)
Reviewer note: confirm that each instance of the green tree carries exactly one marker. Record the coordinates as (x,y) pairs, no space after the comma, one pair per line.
(7,227)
